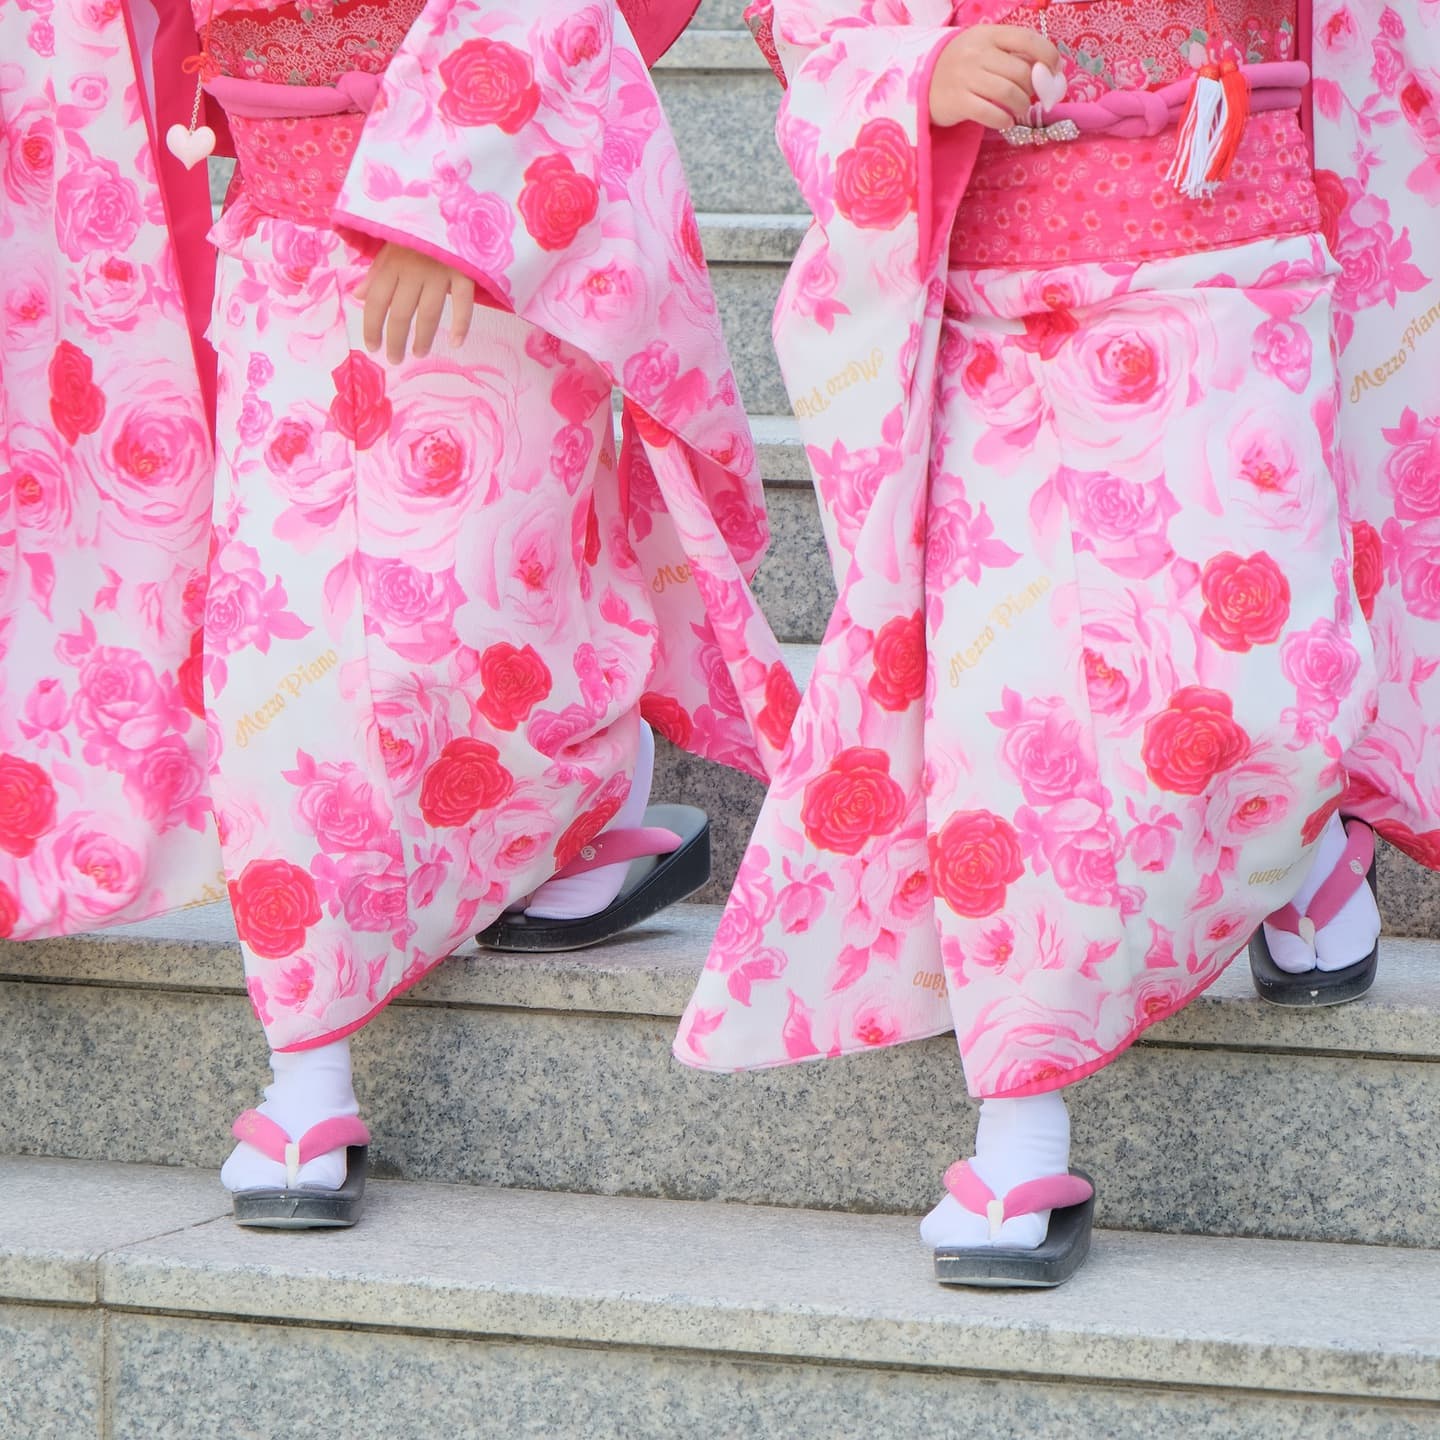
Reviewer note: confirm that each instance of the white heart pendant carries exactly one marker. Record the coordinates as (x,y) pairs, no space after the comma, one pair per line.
(190,147)
(1049,85)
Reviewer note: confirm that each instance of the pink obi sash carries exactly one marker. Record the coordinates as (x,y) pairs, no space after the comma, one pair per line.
(294,143)
(1136,114)
(1103,197)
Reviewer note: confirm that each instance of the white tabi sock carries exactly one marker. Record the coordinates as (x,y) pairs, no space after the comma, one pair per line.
(577,896)
(309,1086)
(1015,1141)
(1348,938)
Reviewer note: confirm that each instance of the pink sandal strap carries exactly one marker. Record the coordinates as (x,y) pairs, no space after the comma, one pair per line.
(339,1132)
(1049,1192)
(615,847)
(1342,882)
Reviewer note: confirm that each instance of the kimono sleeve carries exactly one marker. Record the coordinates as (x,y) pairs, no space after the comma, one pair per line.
(855,123)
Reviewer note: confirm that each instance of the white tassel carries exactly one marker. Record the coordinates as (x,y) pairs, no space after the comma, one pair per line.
(1201,130)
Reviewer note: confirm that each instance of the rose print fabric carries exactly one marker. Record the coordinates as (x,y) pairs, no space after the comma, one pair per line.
(432,600)
(439,600)
(1377,140)
(1097,654)
(104,498)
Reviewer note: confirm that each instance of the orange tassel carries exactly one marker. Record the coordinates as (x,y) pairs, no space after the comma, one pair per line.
(1235,113)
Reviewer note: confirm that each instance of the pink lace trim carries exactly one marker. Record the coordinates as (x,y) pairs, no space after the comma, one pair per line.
(287,46)
(1099,199)
(1139,44)
(295,167)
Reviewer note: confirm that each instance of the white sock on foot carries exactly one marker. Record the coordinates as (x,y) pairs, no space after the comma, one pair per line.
(1015,1141)
(309,1086)
(579,895)
(1349,937)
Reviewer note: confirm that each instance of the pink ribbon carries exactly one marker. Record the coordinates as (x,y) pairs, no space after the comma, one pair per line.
(1137,114)
(260,100)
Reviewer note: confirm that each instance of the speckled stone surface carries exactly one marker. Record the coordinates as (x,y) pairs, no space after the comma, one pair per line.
(58,1217)
(1256,1315)
(724,125)
(1409,895)
(777,439)
(50,1373)
(706,48)
(746,295)
(795,586)
(720,15)
(180,1378)
(556,1073)
(752,239)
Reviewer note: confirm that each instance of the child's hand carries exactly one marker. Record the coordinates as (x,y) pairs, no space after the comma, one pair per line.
(404,285)
(984,74)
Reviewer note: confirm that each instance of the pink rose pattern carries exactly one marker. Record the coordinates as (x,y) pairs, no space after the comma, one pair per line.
(105,469)
(1377,137)
(448,559)
(412,685)
(1110,490)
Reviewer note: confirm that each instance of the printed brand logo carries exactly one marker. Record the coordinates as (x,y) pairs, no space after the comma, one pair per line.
(1378,375)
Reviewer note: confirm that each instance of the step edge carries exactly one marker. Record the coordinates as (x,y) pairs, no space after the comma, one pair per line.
(210,1270)
(651,977)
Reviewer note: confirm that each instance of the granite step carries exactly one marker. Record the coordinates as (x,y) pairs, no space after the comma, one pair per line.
(721,99)
(1232,1118)
(748,256)
(131,1307)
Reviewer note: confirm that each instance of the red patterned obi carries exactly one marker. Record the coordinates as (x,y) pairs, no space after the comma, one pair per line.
(293,166)
(1098,196)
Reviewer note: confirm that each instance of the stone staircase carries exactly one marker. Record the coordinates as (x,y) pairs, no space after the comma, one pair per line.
(571,1235)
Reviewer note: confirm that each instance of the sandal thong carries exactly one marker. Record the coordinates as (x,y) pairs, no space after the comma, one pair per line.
(1069,1198)
(669,861)
(1311,989)
(298,1207)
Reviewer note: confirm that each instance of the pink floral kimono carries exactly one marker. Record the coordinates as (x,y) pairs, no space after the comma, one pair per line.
(1098,666)
(428,602)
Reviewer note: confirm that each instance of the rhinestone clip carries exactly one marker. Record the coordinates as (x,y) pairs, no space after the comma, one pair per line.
(1040,134)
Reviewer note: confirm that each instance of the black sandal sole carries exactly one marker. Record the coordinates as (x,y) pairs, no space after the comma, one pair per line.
(308,1209)
(1311,989)
(1053,1262)
(674,878)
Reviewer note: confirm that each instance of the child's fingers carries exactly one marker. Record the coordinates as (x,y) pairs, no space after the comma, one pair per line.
(1005,94)
(462,307)
(1012,68)
(402,311)
(380,288)
(428,312)
(984,112)
(1029,44)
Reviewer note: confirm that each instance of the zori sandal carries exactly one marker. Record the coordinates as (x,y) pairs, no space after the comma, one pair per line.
(669,860)
(1312,988)
(300,1207)
(1069,1198)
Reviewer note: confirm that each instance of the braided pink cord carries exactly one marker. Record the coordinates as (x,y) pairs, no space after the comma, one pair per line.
(1135,114)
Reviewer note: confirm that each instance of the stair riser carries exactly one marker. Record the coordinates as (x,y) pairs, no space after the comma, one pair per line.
(1179,1139)
(794,586)
(720,15)
(746,294)
(172,1376)
(724,126)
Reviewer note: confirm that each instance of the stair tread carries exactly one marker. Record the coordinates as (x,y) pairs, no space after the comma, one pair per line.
(705,49)
(704,1276)
(651,972)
